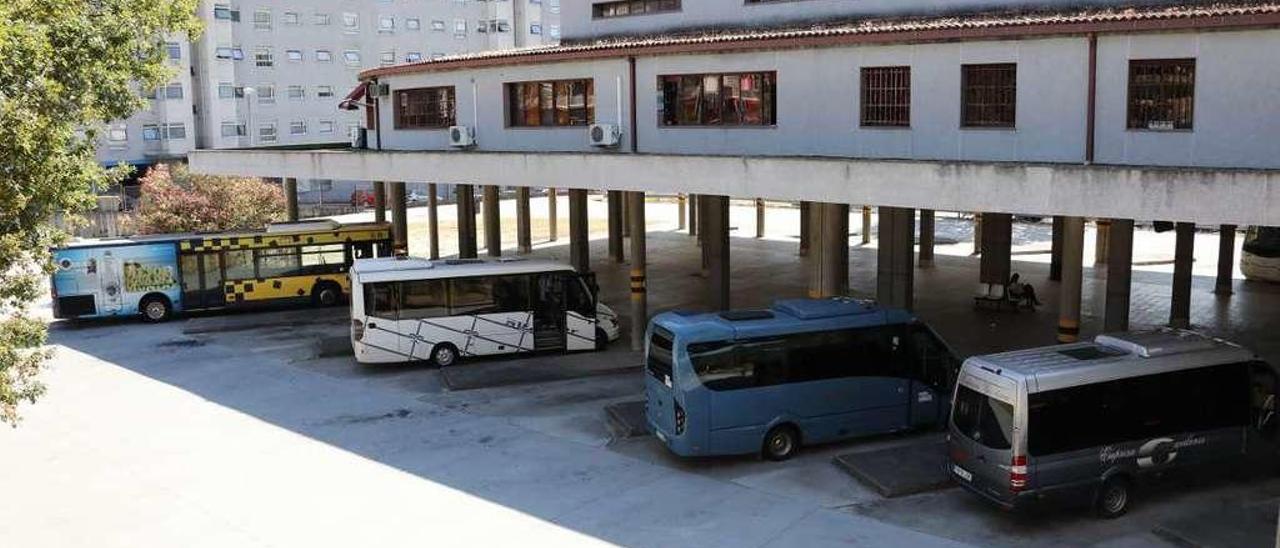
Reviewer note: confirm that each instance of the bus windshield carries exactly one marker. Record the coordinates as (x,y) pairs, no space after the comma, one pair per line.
(984,419)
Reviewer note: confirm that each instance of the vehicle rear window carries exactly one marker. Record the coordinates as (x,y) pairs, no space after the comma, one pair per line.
(983,419)
(658,361)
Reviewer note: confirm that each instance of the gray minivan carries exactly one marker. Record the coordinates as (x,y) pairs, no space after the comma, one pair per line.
(1091,421)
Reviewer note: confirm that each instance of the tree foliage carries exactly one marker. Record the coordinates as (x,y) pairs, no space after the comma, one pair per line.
(67,67)
(176,200)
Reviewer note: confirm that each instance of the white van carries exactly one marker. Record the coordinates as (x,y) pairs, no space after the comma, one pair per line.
(408,309)
(1093,421)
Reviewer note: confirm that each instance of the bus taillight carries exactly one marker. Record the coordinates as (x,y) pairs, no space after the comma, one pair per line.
(679,417)
(357,329)
(1018,473)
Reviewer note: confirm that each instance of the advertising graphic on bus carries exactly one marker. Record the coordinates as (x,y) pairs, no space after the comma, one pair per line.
(113,281)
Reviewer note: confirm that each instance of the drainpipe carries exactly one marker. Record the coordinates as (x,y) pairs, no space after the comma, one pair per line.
(631,66)
(1091,115)
(377,114)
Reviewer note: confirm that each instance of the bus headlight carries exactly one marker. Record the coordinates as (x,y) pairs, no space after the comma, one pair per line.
(357,329)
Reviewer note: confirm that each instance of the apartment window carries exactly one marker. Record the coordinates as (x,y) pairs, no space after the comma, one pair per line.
(176,131)
(886,97)
(324,56)
(554,103)
(262,58)
(148,93)
(225,12)
(233,129)
(626,8)
(293,54)
(988,96)
(325,126)
(296,93)
(554,31)
(386,23)
(151,132)
(387,58)
(237,53)
(262,19)
(350,22)
(437,24)
(298,127)
(535,29)
(459,27)
(737,99)
(413,23)
(324,92)
(553,6)
(1161,93)
(267,132)
(291,18)
(266,94)
(226,90)
(412,57)
(118,134)
(173,91)
(225,52)
(174,50)
(321,19)
(352,57)
(424,108)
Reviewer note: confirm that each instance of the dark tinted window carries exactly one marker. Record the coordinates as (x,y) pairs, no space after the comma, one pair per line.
(424,299)
(471,296)
(716,367)
(380,301)
(983,419)
(803,357)
(511,294)
(577,298)
(659,359)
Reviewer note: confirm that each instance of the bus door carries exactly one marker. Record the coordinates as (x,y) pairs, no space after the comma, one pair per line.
(202,280)
(580,313)
(549,312)
(932,371)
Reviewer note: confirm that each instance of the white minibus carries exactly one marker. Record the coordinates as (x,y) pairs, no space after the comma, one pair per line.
(410,309)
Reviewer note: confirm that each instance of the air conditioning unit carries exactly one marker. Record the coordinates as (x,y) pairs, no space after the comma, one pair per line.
(462,136)
(359,137)
(604,135)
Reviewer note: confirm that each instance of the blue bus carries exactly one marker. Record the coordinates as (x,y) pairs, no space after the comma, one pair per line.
(805,371)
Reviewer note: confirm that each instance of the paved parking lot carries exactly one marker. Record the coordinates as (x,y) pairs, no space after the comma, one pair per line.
(234,430)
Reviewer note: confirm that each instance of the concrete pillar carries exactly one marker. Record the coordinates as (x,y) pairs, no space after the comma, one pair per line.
(379,202)
(1055,251)
(996,237)
(977,234)
(399,220)
(466,221)
(829,258)
(759,217)
(926,239)
(681,206)
(866,225)
(1072,273)
(1226,259)
(693,215)
(700,204)
(552,230)
(492,221)
(1101,241)
(1119,274)
(291,198)
(433,220)
(895,273)
(715,224)
(579,233)
(639,298)
(1183,256)
(626,216)
(524,230)
(616,207)
(806,227)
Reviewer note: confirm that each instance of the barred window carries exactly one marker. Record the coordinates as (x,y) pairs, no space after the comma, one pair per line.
(1161,93)
(424,108)
(886,96)
(625,8)
(552,103)
(739,99)
(989,95)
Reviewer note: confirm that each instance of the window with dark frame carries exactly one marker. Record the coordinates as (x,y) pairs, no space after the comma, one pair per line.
(886,97)
(989,95)
(627,8)
(732,99)
(554,103)
(1161,94)
(425,108)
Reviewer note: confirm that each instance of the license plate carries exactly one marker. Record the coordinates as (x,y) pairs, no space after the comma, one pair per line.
(968,476)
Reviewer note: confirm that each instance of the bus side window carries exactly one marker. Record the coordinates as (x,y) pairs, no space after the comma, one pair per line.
(380,301)
(423,299)
(931,362)
(879,351)
(716,367)
(511,293)
(471,296)
(577,299)
(361,250)
(766,360)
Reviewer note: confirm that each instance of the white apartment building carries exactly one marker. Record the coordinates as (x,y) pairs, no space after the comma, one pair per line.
(272,72)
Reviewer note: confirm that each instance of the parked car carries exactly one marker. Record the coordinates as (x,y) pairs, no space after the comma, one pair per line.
(416,199)
(1095,421)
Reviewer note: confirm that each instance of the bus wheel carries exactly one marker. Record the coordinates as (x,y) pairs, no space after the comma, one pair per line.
(602,339)
(326,294)
(1113,498)
(781,443)
(444,354)
(155,309)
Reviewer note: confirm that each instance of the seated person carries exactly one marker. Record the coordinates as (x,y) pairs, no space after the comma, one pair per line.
(1022,293)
